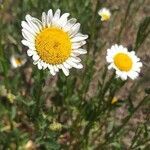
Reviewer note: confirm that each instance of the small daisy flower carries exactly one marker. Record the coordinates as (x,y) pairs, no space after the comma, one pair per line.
(126,64)
(17,61)
(55,42)
(105,14)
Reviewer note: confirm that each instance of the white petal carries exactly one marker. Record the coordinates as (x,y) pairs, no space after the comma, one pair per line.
(27,43)
(36,62)
(78,45)
(66,65)
(44,19)
(75,59)
(30,52)
(57,14)
(65,70)
(132,52)
(74,54)
(45,65)
(38,23)
(80,51)
(39,65)
(123,76)
(79,37)
(79,66)
(110,66)
(70,24)
(75,65)
(31,24)
(56,18)
(35,57)
(133,75)
(109,59)
(26,26)
(49,17)
(28,17)
(36,26)
(52,71)
(63,19)
(139,64)
(55,68)
(28,33)
(28,36)
(74,30)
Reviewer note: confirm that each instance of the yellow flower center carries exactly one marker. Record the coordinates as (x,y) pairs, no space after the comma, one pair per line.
(18,61)
(53,45)
(123,62)
(105,17)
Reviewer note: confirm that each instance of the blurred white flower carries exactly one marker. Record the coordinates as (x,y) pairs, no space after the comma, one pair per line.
(105,14)
(30,145)
(3,90)
(17,61)
(126,64)
(55,42)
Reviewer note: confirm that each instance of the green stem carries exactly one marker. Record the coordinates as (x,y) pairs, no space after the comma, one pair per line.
(38,93)
(142,143)
(107,85)
(137,134)
(90,124)
(124,20)
(119,129)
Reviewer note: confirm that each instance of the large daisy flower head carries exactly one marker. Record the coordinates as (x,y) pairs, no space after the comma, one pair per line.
(55,42)
(126,63)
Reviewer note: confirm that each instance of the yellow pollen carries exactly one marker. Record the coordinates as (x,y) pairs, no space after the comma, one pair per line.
(123,62)
(105,17)
(53,45)
(18,61)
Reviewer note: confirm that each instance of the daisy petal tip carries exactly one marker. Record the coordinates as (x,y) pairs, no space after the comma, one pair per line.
(80,66)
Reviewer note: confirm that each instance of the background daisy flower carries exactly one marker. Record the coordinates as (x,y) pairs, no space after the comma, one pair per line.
(126,64)
(105,14)
(55,42)
(17,61)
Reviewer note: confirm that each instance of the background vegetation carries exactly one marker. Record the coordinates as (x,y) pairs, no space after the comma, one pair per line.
(39,111)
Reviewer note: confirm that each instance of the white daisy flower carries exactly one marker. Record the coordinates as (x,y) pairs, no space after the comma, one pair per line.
(126,64)
(105,14)
(55,42)
(17,61)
